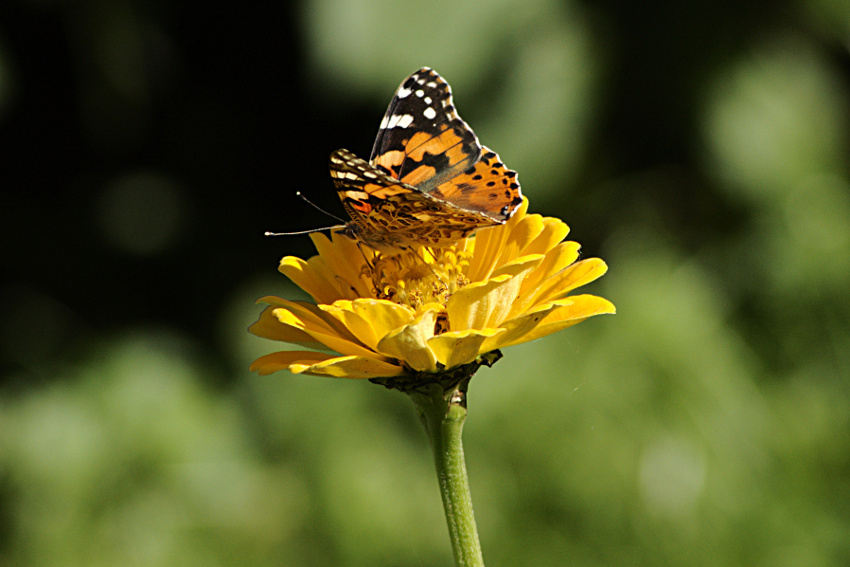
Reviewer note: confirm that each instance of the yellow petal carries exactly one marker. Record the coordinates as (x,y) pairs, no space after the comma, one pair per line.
(519,265)
(574,310)
(489,243)
(563,282)
(437,308)
(460,347)
(311,277)
(523,233)
(310,315)
(484,305)
(385,316)
(370,319)
(330,339)
(347,260)
(284,359)
(559,257)
(410,343)
(268,326)
(477,304)
(554,231)
(349,367)
(518,327)
(552,266)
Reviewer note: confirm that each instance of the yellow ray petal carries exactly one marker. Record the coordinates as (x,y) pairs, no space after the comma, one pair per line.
(437,308)
(330,339)
(385,316)
(370,319)
(268,326)
(347,260)
(559,258)
(554,231)
(576,309)
(518,265)
(561,283)
(460,347)
(523,233)
(311,277)
(283,360)
(484,305)
(518,327)
(489,243)
(311,316)
(350,367)
(410,343)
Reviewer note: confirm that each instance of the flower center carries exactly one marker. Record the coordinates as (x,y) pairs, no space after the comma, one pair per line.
(414,278)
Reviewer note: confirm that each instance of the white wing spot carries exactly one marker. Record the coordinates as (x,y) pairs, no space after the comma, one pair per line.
(384,123)
(403,92)
(429,113)
(401,120)
(420,93)
(427,100)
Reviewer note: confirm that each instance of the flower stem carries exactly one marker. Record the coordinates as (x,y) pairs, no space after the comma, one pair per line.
(443,413)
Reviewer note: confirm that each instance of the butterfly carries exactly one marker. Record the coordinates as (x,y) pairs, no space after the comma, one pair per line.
(428,182)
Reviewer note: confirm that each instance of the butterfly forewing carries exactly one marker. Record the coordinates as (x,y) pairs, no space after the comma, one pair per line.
(422,141)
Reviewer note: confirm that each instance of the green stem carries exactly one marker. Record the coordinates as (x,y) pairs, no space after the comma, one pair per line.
(443,414)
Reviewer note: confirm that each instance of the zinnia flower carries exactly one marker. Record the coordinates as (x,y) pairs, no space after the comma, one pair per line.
(425,312)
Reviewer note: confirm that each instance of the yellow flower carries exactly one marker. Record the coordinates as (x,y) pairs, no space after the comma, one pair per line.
(432,310)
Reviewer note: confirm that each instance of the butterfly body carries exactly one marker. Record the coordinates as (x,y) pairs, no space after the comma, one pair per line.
(428,182)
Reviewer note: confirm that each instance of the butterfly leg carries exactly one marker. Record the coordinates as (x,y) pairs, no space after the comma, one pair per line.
(369,263)
(419,254)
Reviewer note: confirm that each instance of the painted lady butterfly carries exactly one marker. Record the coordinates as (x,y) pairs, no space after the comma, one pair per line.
(428,182)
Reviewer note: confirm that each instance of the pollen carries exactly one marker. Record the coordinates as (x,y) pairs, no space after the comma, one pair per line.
(415,278)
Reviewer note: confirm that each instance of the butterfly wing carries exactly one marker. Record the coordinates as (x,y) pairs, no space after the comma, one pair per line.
(429,181)
(488,188)
(388,214)
(422,141)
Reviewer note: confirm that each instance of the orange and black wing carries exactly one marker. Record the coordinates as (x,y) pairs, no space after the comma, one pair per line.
(424,143)
(387,213)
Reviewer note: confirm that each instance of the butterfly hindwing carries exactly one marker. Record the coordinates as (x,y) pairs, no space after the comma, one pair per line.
(357,179)
(388,214)
(488,188)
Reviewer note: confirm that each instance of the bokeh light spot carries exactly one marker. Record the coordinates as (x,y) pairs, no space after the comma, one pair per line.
(672,476)
(776,118)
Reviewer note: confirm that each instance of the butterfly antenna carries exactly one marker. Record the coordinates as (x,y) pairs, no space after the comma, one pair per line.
(317,207)
(303,231)
(321,210)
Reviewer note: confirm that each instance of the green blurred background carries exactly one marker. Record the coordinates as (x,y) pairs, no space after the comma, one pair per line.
(700,148)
